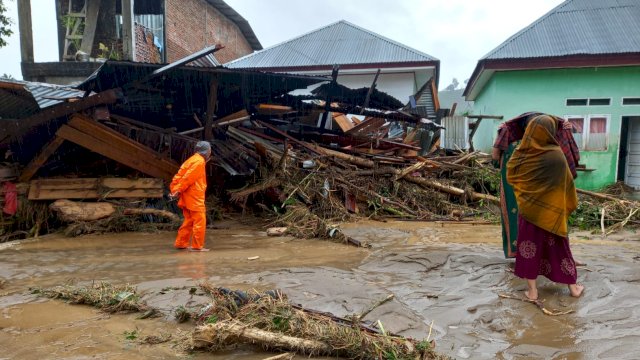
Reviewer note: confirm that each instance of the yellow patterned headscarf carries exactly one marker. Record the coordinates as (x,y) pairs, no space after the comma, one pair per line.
(541,179)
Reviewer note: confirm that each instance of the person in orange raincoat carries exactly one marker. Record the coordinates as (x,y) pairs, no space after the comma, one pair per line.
(189,185)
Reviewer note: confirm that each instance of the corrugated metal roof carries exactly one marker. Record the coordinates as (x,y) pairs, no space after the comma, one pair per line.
(20,99)
(206,61)
(338,43)
(577,27)
(49,94)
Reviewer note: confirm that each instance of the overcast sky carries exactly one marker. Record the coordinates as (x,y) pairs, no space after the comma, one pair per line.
(458,32)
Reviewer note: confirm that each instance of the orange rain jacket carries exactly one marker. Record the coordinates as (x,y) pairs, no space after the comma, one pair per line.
(191,183)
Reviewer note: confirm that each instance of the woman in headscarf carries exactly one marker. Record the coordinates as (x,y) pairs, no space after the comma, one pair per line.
(546,196)
(509,135)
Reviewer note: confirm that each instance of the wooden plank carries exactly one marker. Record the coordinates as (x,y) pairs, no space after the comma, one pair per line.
(355,120)
(366,125)
(93,188)
(13,129)
(90,25)
(370,91)
(291,138)
(35,164)
(212,101)
(343,122)
(434,96)
(124,155)
(54,194)
(273,109)
(110,136)
(109,183)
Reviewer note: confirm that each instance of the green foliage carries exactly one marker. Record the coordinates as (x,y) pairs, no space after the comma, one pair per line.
(5,25)
(131,335)
(212,319)
(182,314)
(423,346)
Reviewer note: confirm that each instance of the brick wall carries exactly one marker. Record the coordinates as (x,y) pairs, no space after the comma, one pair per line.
(194,24)
(146,50)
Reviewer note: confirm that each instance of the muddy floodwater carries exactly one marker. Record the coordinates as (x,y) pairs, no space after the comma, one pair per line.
(443,276)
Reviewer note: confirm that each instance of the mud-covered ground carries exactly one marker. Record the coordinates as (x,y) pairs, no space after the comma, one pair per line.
(445,275)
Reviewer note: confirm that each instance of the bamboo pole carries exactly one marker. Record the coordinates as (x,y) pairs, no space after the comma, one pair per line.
(416,180)
(206,335)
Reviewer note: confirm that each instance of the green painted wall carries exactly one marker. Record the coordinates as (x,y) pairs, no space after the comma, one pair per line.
(511,93)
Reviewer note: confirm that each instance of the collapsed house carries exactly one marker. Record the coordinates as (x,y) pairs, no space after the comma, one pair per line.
(122,133)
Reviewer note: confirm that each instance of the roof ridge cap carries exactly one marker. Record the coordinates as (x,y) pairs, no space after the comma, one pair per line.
(391,41)
(526,29)
(284,42)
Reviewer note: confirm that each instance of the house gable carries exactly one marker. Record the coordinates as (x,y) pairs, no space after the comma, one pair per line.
(338,43)
(577,33)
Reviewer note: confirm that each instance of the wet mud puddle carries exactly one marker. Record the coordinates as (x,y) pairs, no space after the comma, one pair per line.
(443,277)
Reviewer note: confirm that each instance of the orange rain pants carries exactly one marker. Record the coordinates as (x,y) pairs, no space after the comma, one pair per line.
(191,183)
(192,228)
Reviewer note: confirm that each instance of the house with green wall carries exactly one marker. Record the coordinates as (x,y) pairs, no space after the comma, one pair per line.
(580,61)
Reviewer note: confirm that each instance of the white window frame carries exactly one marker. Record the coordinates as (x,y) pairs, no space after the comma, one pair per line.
(587,131)
(586,127)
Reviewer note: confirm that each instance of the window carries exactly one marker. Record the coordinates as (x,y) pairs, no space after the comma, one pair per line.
(599,102)
(631,101)
(576,102)
(590,132)
(590,102)
(597,136)
(577,122)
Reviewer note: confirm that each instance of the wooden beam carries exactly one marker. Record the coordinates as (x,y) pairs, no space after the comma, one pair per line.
(289,137)
(494,117)
(115,139)
(368,97)
(40,159)
(90,25)
(434,96)
(342,121)
(25,28)
(238,116)
(373,123)
(128,31)
(13,129)
(473,132)
(273,109)
(212,101)
(122,155)
(94,188)
(328,98)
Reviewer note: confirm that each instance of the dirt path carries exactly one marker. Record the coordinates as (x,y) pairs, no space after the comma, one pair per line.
(448,275)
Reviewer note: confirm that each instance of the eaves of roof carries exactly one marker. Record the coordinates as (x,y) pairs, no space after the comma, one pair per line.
(486,67)
(241,22)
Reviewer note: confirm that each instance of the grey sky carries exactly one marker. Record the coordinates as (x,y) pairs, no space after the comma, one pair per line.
(458,32)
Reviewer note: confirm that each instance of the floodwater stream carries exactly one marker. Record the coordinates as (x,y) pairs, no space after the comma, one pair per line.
(446,277)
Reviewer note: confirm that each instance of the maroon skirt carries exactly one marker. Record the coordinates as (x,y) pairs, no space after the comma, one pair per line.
(543,253)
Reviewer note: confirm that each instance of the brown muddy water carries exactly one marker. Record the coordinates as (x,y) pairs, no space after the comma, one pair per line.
(445,275)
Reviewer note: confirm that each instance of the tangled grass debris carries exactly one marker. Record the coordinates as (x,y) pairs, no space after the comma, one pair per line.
(265,319)
(102,295)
